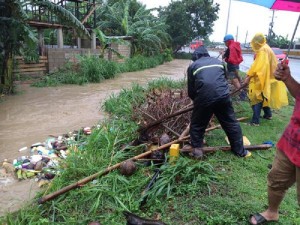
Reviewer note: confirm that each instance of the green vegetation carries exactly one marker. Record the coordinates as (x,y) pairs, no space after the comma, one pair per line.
(131,18)
(194,20)
(18,39)
(221,189)
(91,69)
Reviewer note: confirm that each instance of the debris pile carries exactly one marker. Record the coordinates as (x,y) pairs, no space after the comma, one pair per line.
(45,159)
(160,103)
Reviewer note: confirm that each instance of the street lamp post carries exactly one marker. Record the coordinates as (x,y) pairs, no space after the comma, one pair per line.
(228,17)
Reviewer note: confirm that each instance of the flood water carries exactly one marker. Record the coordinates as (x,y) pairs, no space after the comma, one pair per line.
(35,113)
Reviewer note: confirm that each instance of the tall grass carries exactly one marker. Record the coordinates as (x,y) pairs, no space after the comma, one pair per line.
(91,69)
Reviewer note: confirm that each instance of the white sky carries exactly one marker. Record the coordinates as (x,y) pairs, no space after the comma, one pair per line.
(245,17)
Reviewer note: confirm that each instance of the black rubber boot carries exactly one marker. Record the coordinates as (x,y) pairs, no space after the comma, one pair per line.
(197,153)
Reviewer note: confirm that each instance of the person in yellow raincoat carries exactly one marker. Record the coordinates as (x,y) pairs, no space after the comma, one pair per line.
(265,92)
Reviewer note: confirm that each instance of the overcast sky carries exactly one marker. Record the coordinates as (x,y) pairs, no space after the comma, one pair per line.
(245,17)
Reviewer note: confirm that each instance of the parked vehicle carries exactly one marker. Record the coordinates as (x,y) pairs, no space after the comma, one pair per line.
(196,44)
(280,55)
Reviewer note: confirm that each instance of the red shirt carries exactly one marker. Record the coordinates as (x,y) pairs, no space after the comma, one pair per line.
(233,54)
(289,142)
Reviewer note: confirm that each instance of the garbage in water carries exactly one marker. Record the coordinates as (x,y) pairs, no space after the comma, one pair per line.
(44,159)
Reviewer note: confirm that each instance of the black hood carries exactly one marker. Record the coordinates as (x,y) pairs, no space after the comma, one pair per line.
(200,52)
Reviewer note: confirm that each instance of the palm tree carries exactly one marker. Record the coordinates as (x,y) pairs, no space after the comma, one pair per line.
(15,34)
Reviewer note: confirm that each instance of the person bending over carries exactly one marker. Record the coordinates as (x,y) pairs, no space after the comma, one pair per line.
(209,90)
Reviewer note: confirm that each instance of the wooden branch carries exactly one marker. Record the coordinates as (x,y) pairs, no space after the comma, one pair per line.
(239,89)
(185,132)
(89,14)
(219,126)
(161,120)
(164,125)
(228,148)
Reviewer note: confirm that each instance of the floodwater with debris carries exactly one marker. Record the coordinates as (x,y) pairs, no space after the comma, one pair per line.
(34,114)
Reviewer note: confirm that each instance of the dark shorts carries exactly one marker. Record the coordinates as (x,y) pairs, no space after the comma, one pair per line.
(232,70)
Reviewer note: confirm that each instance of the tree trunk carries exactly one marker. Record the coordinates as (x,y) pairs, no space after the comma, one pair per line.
(7,75)
(6,85)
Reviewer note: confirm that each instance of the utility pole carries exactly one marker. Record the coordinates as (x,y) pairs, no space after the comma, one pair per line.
(237,33)
(246,37)
(228,17)
(270,33)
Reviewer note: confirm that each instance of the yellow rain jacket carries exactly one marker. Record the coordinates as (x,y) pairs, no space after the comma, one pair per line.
(263,86)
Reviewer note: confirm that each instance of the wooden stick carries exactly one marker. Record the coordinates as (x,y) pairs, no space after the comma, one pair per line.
(240,88)
(161,120)
(185,132)
(228,148)
(164,125)
(218,126)
(104,172)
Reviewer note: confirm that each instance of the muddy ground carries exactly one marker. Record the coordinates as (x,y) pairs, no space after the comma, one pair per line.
(35,113)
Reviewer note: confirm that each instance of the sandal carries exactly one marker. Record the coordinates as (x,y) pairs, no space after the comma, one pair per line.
(260,219)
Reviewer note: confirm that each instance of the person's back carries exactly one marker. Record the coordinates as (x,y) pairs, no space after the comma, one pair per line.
(233,57)
(209,90)
(210,83)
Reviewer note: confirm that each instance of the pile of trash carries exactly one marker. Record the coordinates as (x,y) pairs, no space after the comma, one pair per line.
(46,158)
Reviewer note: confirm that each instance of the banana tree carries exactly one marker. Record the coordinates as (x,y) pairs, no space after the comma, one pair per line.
(105,43)
(15,34)
(131,18)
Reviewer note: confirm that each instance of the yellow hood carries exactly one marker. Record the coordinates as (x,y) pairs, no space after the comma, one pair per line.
(258,41)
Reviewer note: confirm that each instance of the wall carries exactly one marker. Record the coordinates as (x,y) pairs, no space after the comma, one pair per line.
(123,49)
(57,57)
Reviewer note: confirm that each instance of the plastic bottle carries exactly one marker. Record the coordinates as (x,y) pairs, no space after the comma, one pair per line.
(174,153)
(22,149)
(17,164)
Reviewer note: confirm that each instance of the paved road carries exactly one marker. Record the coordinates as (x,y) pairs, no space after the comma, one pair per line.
(248,59)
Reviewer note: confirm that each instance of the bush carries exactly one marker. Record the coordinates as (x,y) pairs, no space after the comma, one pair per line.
(91,69)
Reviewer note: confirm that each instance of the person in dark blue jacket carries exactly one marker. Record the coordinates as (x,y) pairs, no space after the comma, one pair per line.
(209,90)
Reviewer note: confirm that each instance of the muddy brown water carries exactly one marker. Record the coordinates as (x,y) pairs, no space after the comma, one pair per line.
(35,113)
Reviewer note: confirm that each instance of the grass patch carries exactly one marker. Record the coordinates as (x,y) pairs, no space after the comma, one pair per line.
(221,189)
(91,69)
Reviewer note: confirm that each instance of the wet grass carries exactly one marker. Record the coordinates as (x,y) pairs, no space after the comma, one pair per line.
(221,189)
(91,69)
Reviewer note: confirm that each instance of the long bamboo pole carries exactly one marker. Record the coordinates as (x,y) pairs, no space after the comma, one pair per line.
(104,172)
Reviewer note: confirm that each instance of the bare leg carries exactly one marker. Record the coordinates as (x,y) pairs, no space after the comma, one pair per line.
(236,83)
(272,212)
(281,177)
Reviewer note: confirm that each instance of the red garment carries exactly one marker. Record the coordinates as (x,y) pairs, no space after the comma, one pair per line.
(289,142)
(235,53)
